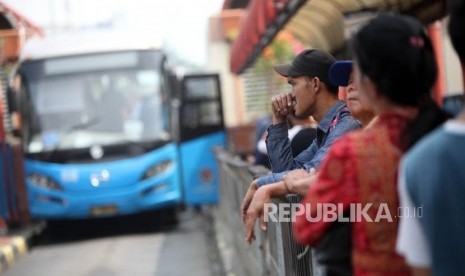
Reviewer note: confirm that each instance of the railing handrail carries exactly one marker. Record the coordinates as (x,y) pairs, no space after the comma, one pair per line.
(274,252)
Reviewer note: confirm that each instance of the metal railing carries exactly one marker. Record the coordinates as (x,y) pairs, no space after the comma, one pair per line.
(274,252)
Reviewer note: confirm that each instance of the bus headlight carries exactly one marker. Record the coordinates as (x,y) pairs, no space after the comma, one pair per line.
(43,181)
(158,169)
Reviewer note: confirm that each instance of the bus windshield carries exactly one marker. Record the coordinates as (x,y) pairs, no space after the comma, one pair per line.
(106,99)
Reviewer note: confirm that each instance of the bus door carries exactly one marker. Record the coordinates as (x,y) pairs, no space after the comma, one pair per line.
(201,130)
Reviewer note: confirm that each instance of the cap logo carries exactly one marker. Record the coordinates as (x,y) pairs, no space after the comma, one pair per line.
(417,42)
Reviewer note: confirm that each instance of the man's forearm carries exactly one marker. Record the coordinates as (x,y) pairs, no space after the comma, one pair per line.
(276,189)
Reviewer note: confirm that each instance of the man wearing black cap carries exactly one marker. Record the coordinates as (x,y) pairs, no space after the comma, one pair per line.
(312,95)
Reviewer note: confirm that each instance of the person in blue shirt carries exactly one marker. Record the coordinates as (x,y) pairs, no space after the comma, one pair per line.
(432,187)
(312,95)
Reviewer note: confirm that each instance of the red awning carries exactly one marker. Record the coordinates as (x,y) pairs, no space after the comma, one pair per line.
(20,19)
(264,20)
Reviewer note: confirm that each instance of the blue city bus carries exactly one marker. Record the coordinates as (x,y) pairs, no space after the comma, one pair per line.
(112,130)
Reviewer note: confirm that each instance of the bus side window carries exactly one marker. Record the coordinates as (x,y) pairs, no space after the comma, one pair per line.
(201,110)
(202,114)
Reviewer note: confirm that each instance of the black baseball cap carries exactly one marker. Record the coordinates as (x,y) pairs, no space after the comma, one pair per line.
(310,62)
(339,72)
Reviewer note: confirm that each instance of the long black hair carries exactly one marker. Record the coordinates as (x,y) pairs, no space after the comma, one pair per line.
(395,52)
(456,27)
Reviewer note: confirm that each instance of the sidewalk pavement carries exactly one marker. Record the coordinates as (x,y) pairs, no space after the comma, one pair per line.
(228,252)
(222,255)
(15,243)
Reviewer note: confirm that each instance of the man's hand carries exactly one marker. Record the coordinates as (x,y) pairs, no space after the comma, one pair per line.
(282,105)
(248,198)
(299,181)
(255,211)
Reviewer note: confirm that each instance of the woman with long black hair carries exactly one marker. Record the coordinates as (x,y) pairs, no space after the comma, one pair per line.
(394,71)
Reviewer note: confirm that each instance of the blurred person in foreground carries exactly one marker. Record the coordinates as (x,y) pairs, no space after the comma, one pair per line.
(394,71)
(298,181)
(432,187)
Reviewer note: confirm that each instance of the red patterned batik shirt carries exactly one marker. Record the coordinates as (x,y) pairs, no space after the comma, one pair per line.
(359,179)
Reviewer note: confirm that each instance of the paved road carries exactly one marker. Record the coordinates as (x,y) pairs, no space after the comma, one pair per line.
(120,248)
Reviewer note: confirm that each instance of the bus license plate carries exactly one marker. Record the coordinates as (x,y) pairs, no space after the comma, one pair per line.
(103,210)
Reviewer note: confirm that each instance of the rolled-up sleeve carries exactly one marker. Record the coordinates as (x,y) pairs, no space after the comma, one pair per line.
(271,178)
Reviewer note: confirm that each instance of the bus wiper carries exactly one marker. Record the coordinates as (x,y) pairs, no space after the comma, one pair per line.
(87,124)
(139,144)
(91,122)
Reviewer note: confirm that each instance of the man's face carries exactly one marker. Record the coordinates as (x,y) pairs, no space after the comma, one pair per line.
(303,94)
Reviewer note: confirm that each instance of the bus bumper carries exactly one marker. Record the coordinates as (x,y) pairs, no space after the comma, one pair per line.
(62,205)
